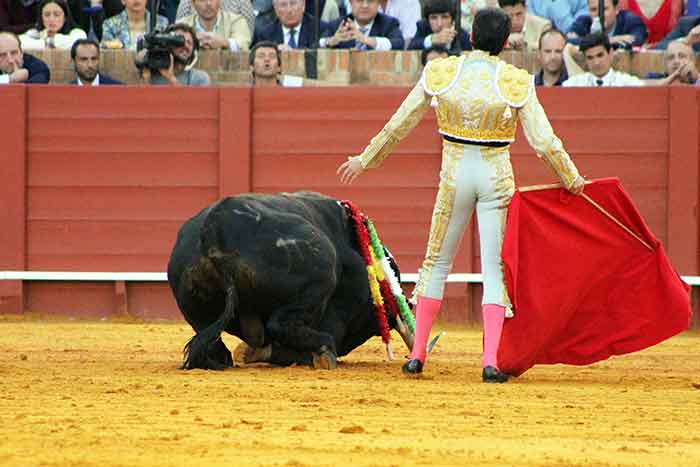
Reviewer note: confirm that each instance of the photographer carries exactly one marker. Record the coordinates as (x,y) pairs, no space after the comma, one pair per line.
(181,71)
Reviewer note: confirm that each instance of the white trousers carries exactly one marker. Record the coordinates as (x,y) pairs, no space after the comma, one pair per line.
(471,176)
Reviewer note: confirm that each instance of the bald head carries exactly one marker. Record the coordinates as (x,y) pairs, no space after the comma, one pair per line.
(677,53)
(10,52)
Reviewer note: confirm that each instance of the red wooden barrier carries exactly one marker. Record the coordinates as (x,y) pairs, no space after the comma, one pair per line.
(100,179)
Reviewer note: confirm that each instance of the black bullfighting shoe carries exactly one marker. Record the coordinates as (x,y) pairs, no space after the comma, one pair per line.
(412,367)
(493,375)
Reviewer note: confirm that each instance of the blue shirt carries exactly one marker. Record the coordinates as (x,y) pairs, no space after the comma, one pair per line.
(539,78)
(561,13)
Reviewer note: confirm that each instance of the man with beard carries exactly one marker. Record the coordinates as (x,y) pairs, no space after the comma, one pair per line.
(265,63)
(18,67)
(551,56)
(85,54)
(218,29)
(182,60)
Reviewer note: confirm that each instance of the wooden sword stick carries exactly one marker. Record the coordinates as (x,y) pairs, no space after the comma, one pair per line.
(596,205)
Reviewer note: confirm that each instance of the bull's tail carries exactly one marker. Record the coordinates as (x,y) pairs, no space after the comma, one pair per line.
(204,350)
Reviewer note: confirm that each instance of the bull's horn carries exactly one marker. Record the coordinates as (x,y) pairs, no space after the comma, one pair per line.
(406,335)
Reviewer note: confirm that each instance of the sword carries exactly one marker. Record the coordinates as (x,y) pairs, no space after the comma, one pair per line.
(433,341)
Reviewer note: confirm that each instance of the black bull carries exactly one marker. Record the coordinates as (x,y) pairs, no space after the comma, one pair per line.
(280,272)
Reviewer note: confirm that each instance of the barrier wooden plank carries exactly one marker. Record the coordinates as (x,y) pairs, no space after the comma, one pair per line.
(110,175)
(12,195)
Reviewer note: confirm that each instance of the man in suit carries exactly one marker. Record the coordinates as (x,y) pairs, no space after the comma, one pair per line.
(687,29)
(292,29)
(365,29)
(85,54)
(525,28)
(623,28)
(218,29)
(438,28)
(18,67)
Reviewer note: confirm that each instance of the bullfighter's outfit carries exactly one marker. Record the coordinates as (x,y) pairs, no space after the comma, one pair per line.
(478,100)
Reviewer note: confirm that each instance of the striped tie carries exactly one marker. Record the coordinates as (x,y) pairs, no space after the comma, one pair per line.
(364,31)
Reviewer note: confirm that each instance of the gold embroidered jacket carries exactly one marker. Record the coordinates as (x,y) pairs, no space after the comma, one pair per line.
(478,98)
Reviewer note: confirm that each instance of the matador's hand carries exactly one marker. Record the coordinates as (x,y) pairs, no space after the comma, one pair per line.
(576,188)
(350,169)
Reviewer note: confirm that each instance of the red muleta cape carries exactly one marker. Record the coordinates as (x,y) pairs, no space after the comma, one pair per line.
(582,287)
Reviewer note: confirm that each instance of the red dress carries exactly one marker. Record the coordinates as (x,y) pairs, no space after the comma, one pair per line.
(663,21)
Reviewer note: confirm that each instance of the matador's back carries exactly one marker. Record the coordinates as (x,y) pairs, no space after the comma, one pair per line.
(477,97)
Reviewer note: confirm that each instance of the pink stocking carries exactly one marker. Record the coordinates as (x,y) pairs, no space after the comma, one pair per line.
(426,311)
(494,315)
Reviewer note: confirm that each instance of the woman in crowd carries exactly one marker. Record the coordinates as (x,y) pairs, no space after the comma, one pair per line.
(55,28)
(124,30)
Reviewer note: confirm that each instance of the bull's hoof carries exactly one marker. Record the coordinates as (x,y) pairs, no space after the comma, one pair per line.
(325,360)
(244,354)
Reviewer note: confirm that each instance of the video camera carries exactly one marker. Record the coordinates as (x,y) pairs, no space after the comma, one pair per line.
(159,47)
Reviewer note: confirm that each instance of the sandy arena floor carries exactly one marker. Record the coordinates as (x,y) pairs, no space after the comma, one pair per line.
(87,394)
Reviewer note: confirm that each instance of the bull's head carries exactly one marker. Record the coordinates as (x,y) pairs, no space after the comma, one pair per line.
(401,327)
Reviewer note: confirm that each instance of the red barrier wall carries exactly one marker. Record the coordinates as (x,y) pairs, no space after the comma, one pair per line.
(101,179)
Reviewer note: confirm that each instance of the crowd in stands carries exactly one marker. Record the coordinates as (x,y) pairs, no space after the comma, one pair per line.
(559,31)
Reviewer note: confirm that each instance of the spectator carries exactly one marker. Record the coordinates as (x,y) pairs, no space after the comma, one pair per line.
(659,16)
(124,30)
(525,28)
(687,29)
(89,15)
(85,54)
(624,28)
(239,7)
(18,67)
(562,13)
(438,28)
(54,29)
(433,52)
(18,15)
(597,51)
(265,64)
(181,71)
(218,29)
(365,29)
(679,62)
(551,56)
(408,12)
(292,29)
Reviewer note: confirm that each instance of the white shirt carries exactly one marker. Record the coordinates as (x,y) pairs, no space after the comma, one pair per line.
(408,12)
(95,82)
(383,43)
(428,42)
(612,78)
(286,32)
